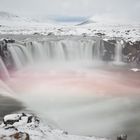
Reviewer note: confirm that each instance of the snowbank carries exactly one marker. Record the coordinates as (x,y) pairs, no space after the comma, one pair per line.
(29,127)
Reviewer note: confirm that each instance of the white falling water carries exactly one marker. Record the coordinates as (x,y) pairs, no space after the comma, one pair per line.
(3,70)
(15,56)
(39,52)
(118,52)
(62,50)
(26,53)
(97,50)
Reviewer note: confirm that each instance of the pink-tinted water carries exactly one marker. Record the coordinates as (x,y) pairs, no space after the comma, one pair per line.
(86,101)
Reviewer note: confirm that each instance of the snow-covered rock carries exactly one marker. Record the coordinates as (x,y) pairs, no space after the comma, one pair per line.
(29,127)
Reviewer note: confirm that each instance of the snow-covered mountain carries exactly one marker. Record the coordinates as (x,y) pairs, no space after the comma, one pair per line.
(86,22)
(10,20)
(14,24)
(94,26)
(5,16)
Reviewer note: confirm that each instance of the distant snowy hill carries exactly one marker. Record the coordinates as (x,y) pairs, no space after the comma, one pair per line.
(94,26)
(5,16)
(88,21)
(8,19)
(14,24)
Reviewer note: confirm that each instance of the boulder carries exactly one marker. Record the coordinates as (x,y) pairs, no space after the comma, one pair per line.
(50,34)
(19,119)
(16,136)
(100,34)
(109,49)
(20,136)
(132,51)
(122,137)
(27,126)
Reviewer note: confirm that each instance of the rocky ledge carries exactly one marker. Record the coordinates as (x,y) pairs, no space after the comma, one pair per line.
(29,127)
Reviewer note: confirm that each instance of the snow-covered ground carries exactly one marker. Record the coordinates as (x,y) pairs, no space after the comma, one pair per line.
(11,24)
(22,125)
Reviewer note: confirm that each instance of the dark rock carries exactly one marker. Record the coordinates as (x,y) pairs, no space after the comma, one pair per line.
(23,114)
(113,41)
(8,40)
(4,52)
(11,41)
(132,51)
(20,136)
(109,50)
(50,34)
(122,137)
(11,127)
(14,120)
(65,132)
(10,122)
(30,119)
(127,31)
(84,34)
(36,33)
(61,30)
(100,34)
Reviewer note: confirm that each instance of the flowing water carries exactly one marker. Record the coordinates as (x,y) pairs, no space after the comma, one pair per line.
(118,50)
(65,81)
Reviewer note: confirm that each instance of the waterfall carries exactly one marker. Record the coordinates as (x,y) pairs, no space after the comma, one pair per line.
(62,50)
(20,55)
(3,70)
(97,50)
(26,53)
(118,52)
(39,52)
(16,58)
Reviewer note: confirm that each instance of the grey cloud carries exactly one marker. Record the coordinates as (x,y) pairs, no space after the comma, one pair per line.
(129,9)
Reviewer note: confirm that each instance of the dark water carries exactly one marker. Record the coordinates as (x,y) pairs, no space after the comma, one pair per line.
(9,105)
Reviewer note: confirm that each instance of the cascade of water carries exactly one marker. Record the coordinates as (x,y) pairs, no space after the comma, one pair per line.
(97,50)
(3,70)
(74,50)
(62,50)
(55,50)
(88,50)
(16,56)
(39,51)
(118,52)
(27,54)
(71,50)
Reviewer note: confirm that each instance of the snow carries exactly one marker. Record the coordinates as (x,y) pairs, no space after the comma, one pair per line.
(36,129)
(12,117)
(12,24)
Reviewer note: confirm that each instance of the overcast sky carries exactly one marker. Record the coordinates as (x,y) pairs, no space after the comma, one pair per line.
(124,9)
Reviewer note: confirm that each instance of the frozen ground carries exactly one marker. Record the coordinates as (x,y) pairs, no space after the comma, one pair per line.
(29,124)
(10,24)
